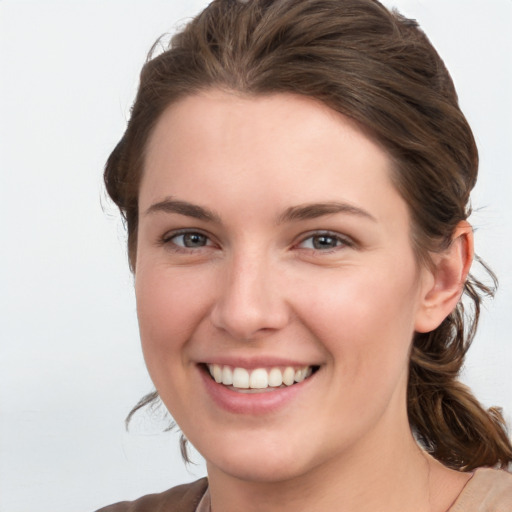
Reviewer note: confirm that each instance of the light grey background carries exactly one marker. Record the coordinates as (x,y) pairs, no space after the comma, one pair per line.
(70,362)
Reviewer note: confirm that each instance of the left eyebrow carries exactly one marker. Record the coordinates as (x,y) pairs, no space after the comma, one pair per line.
(315,210)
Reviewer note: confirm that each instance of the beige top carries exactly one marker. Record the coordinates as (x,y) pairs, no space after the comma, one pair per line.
(488,490)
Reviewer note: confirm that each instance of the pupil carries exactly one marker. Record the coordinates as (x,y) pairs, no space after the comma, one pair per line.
(324,241)
(194,240)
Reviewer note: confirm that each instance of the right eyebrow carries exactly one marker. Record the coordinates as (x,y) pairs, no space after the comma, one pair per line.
(314,210)
(169,205)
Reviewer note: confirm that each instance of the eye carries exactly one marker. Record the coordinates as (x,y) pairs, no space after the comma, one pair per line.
(323,242)
(188,240)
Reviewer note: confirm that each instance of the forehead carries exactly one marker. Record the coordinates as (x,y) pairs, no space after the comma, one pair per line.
(286,119)
(218,146)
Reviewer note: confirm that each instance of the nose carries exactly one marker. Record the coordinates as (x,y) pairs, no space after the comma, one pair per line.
(250,301)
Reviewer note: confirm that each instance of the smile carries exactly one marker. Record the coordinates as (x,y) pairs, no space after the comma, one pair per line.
(259,378)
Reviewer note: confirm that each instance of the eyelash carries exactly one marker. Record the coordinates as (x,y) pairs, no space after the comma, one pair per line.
(169,239)
(341,241)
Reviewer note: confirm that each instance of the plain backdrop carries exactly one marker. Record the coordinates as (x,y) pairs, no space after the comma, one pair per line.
(70,363)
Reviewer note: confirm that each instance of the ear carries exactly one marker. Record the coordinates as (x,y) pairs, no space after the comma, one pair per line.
(445,283)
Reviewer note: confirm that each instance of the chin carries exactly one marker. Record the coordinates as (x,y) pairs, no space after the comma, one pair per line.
(263,459)
(263,469)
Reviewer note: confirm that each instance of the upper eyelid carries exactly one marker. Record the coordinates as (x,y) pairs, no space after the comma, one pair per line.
(184,231)
(325,232)
(345,239)
(167,237)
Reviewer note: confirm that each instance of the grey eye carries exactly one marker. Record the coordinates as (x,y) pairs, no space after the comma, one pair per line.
(190,240)
(321,242)
(324,242)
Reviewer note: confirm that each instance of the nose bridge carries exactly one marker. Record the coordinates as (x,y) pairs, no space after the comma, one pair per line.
(250,300)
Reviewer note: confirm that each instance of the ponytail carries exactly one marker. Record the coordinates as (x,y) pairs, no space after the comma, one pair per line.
(446,417)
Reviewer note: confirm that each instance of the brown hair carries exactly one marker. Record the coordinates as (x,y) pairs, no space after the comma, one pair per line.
(378,68)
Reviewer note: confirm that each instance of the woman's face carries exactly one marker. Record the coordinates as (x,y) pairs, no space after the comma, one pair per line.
(272,243)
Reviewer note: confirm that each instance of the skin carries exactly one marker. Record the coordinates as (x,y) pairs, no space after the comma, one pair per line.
(259,286)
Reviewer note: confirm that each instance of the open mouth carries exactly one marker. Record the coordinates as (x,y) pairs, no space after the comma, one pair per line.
(259,379)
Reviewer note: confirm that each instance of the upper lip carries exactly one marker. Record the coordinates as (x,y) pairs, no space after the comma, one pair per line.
(257,362)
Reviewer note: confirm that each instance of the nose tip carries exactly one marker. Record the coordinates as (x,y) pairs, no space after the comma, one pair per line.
(250,303)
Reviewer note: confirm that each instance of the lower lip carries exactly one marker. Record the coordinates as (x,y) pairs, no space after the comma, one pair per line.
(252,403)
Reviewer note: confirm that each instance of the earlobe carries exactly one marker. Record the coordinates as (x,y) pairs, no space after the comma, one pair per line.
(449,271)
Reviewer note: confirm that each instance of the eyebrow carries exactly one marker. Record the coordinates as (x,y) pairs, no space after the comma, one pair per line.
(294,213)
(315,210)
(170,205)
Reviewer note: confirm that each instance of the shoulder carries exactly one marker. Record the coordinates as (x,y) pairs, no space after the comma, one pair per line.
(489,490)
(183,498)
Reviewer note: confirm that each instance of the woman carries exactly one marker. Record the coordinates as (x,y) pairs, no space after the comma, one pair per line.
(295,178)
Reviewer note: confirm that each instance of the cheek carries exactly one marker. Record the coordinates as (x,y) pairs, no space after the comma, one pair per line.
(364,319)
(169,307)
(366,326)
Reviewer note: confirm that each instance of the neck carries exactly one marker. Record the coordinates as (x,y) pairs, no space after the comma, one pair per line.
(376,476)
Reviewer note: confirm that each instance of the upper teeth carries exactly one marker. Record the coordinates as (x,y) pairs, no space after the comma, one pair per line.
(259,378)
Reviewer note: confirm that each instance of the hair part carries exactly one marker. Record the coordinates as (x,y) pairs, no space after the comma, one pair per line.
(378,68)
